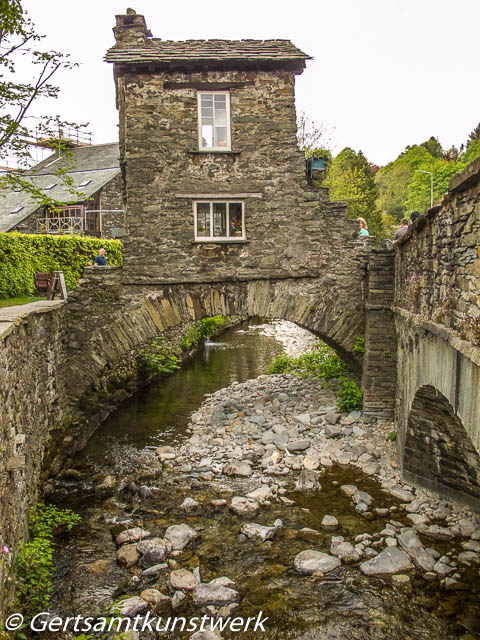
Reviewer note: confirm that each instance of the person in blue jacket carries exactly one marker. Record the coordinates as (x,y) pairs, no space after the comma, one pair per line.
(100,260)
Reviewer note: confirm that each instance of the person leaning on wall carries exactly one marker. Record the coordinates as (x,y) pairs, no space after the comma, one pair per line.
(399,233)
(363,226)
(100,260)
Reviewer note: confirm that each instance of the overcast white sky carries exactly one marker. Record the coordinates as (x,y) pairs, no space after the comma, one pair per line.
(385,73)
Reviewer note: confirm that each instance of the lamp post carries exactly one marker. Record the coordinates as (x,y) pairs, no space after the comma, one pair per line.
(431,184)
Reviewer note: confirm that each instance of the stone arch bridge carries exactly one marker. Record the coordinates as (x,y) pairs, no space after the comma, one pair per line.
(64,367)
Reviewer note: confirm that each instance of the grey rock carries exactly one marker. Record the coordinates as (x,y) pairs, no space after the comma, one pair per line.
(307,481)
(244,506)
(346,552)
(242,469)
(262,493)
(309,561)
(298,445)
(129,607)
(190,505)
(214,594)
(329,523)
(179,601)
(333,432)
(183,580)
(252,530)
(332,418)
(389,561)
(348,489)
(180,535)
(128,555)
(131,535)
(155,570)
(401,494)
(362,497)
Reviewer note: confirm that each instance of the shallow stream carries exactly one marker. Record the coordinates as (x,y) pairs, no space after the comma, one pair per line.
(117,482)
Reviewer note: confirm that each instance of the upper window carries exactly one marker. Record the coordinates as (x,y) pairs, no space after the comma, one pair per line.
(219,220)
(214,120)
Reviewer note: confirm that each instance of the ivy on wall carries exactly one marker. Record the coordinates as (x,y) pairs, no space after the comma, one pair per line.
(21,255)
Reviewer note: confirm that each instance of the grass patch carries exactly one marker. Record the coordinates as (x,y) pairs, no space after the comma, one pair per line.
(13,302)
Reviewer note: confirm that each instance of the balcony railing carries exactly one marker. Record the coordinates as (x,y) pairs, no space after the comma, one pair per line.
(73,224)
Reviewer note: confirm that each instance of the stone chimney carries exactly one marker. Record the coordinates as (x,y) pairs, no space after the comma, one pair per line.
(131,30)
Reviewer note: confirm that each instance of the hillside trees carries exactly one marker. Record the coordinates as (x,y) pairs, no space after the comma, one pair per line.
(351,179)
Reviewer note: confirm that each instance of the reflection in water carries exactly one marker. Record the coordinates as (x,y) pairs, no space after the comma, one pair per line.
(162,411)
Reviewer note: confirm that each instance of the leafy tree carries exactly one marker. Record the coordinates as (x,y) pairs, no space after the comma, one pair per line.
(433,146)
(351,179)
(393,180)
(18,38)
(474,136)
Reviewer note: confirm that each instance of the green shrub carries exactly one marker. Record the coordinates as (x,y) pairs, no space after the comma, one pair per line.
(359,345)
(21,255)
(322,362)
(350,396)
(159,358)
(34,564)
(202,329)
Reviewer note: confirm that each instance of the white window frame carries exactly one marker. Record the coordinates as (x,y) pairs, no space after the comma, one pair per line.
(228,237)
(228,147)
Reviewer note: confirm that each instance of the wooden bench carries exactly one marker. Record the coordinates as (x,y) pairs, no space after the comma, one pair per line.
(42,280)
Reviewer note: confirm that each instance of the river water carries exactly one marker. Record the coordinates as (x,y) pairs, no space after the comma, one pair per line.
(117,483)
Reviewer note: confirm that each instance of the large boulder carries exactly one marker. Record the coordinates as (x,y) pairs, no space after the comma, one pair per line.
(180,536)
(252,530)
(244,506)
(389,561)
(310,561)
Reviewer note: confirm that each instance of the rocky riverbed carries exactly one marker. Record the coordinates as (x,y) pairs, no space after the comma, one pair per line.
(275,502)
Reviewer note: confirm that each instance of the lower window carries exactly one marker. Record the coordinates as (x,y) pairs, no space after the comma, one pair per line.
(219,220)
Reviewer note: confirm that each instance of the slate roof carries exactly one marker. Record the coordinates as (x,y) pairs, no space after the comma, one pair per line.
(98,163)
(208,51)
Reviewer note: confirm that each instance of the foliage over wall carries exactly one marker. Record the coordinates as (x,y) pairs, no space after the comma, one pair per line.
(21,255)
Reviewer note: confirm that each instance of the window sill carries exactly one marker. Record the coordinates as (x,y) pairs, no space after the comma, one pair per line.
(203,152)
(222,241)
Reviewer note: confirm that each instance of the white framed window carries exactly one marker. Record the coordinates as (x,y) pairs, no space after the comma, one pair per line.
(214,121)
(219,220)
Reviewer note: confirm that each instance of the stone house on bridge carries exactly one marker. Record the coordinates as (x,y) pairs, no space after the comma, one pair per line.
(215,183)
(95,171)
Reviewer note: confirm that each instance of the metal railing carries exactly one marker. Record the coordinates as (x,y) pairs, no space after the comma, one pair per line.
(72,224)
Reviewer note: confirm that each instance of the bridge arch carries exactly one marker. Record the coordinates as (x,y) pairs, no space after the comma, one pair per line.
(438,453)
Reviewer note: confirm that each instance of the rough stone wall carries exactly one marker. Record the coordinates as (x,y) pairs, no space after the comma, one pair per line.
(111,198)
(379,370)
(437,317)
(31,350)
(438,261)
(292,230)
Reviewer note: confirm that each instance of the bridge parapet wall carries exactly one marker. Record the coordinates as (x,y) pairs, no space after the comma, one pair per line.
(437,317)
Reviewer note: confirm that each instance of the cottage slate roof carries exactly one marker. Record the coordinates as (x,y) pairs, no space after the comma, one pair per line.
(202,51)
(97,163)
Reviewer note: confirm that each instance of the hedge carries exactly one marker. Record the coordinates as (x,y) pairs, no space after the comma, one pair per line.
(21,255)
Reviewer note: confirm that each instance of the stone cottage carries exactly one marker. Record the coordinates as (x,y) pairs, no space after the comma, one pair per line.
(215,183)
(95,171)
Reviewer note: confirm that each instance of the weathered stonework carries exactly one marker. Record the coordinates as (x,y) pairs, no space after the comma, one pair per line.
(379,370)
(31,351)
(437,271)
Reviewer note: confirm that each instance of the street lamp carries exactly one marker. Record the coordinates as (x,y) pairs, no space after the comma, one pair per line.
(431,184)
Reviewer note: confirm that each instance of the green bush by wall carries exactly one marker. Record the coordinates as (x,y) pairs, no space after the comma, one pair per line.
(21,255)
